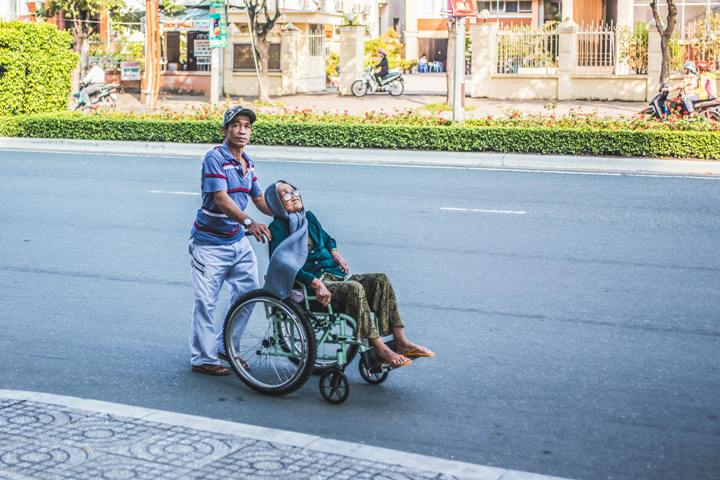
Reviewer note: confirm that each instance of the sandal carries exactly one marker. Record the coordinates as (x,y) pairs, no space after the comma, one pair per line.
(400,361)
(403,361)
(211,369)
(418,352)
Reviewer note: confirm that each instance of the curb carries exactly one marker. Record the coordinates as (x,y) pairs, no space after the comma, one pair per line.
(311,442)
(476,160)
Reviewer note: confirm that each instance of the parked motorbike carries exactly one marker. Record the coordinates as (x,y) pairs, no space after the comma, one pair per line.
(105,97)
(393,83)
(661,106)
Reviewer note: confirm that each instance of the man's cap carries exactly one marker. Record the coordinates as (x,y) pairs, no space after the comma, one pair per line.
(233,112)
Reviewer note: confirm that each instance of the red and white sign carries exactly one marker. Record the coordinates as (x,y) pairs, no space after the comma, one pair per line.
(462,8)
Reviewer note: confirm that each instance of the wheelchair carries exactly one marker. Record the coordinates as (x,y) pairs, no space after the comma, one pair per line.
(273,345)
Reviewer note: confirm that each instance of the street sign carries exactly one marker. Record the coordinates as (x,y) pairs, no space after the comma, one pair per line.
(201,47)
(130,71)
(218,25)
(462,8)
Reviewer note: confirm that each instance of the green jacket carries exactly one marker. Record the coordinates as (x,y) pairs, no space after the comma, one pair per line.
(319,259)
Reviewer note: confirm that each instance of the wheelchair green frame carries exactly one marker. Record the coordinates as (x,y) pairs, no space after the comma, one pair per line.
(324,323)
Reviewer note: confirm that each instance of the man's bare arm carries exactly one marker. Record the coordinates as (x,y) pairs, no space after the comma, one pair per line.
(261,205)
(226,205)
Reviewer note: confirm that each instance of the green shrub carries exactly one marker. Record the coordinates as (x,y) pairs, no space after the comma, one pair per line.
(466,138)
(36,62)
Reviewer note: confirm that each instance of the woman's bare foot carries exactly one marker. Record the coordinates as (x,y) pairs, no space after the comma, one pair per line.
(413,350)
(385,355)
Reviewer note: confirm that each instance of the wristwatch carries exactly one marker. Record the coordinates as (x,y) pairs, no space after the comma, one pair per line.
(247,222)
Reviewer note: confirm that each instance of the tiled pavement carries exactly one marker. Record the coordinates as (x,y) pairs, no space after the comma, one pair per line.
(50,437)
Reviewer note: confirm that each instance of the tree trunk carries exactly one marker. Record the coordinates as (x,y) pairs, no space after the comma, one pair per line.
(665,66)
(78,44)
(263,65)
(665,35)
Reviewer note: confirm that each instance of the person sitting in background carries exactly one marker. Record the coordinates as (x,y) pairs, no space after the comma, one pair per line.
(423,64)
(383,67)
(708,81)
(326,272)
(689,87)
(93,82)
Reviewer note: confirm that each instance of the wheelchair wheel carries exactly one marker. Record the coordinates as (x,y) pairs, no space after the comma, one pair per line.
(269,343)
(334,386)
(371,376)
(326,357)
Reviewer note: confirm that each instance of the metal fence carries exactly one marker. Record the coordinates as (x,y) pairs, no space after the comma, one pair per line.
(596,49)
(527,52)
(314,42)
(699,41)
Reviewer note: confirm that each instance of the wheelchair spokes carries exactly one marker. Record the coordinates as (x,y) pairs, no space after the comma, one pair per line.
(270,346)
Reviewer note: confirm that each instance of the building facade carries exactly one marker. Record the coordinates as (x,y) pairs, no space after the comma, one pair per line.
(424,27)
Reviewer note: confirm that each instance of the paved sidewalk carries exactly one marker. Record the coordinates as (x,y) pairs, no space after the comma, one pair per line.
(45,436)
(484,160)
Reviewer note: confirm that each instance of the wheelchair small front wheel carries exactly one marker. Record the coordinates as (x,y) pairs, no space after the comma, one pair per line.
(334,386)
(370,375)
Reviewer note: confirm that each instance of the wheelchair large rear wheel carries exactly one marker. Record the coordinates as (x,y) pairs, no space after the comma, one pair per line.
(270,344)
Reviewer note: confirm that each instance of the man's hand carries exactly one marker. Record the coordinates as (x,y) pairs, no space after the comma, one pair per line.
(260,232)
(340,261)
(321,292)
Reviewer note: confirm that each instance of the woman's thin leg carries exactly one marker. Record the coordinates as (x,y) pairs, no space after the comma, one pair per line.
(381,298)
(349,297)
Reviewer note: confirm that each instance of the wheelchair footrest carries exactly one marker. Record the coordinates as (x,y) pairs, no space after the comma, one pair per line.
(369,357)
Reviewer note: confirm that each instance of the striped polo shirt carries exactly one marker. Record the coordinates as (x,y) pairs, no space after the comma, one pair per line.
(221,171)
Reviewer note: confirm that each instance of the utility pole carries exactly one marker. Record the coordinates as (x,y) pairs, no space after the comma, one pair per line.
(458,70)
(215,75)
(151,77)
(218,42)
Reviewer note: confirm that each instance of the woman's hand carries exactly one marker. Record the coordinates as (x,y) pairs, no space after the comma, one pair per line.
(321,292)
(340,261)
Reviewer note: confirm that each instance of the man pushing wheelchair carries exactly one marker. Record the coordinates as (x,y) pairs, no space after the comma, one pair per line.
(269,340)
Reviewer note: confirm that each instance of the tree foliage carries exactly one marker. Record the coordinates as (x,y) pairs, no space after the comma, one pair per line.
(390,41)
(36,62)
(82,14)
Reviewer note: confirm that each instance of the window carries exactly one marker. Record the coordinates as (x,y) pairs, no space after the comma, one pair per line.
(315,40)
(509,6)
(243,58)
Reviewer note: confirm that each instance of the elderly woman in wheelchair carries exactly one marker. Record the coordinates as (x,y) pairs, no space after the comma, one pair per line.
(326,272)
(276,337)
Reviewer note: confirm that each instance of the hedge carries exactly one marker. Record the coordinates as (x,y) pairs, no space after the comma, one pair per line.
(545,140)
(36,63)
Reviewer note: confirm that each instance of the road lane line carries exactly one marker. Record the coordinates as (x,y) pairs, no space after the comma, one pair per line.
(170,192)
(484,210)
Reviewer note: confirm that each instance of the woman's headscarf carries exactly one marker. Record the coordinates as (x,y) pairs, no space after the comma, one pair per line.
(288,257)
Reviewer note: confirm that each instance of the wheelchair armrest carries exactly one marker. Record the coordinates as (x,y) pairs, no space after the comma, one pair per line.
(311,300)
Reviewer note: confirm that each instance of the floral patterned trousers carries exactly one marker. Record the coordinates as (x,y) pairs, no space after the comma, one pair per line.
(361,294)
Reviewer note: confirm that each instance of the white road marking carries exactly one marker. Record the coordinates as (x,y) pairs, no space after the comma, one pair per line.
(483,210)
(170,192)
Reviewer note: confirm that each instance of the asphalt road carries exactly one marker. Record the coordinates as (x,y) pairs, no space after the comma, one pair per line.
(575,317)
